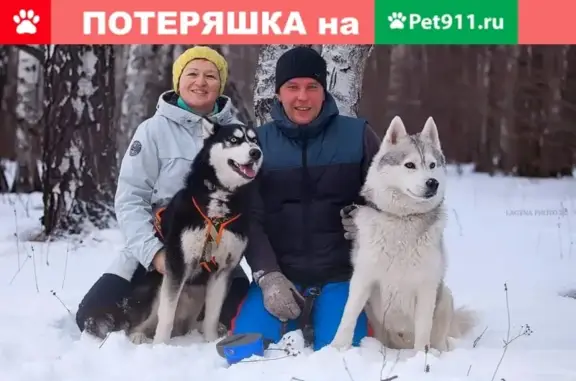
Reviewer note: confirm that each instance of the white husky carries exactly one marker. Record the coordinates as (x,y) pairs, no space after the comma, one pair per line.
(398,254)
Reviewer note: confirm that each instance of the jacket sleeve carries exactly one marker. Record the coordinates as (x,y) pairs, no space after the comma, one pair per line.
(138,174)
(259,254)
(371,147)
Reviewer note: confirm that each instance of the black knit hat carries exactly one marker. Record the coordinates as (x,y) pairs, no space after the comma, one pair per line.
(300,62)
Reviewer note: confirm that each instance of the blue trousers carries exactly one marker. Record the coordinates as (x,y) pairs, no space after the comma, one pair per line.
(325,317)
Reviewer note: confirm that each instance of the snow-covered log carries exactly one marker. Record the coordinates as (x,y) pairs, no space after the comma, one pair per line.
(79,156)
(346,65)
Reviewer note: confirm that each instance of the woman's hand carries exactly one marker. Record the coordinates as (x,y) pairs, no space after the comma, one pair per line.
(159,261)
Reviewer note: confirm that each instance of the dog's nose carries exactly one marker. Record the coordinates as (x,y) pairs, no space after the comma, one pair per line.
(432,184)
(255,154)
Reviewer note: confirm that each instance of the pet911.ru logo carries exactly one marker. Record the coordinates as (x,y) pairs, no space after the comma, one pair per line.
(413,21)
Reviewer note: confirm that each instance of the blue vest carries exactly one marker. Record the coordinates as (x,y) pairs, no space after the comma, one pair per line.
(309,173)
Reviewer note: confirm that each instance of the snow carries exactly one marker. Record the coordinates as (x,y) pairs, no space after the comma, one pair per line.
(501,230)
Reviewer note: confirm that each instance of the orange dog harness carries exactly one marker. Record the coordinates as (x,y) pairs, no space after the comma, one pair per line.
(214,230)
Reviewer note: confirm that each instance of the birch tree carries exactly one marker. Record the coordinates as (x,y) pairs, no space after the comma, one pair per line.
(147,76)
(121,57)
(79,156)
(345,66)
(29,95)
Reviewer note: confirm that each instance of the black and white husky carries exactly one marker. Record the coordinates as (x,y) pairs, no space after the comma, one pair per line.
(204,230)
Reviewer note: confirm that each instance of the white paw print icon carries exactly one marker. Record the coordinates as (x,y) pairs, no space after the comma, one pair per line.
(26,21)
(397,20)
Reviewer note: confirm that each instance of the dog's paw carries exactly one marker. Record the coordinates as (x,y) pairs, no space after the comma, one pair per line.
(444,345)
(349,211)
(222,330)
(161,337)
(341,344)
(211,336)
(340,347)
(138,338)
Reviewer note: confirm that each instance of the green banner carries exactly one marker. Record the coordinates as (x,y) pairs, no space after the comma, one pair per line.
(446,22)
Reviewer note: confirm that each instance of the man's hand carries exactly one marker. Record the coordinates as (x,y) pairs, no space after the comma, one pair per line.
(281,298)
(347,213)
(159,261)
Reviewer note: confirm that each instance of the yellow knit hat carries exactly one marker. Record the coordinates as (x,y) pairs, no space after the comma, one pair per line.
(195,53)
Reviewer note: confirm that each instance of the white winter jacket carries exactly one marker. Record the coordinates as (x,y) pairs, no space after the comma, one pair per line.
(152,171)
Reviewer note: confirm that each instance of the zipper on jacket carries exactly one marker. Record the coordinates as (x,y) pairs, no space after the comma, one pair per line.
(306,189)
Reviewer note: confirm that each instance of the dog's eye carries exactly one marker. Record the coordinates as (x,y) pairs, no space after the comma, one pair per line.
(233,140)
(432,165)
(410,165)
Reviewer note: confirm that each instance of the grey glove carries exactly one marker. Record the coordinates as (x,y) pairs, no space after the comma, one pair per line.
(347,213)
(281,298)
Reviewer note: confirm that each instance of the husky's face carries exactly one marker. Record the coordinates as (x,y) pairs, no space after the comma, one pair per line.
(408,170)
(235,154)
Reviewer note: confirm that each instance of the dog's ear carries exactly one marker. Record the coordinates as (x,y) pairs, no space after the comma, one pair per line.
(430,132)
(209,127)
(395,131)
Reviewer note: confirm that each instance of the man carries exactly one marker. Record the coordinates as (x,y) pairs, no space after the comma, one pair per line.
(315,162)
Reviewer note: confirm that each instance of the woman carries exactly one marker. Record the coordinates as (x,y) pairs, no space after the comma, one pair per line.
(152,171)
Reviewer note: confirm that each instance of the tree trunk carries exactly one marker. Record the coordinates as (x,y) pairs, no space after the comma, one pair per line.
(121,56)
(145,80)
(489,155)
(555,158)
(345,66)
(242,61)
(375,88)
(404,96)
(523,138)
(264,82)
(509,88)
(28,113)
(8,85)
(240,104)
(568,110)
(79,157)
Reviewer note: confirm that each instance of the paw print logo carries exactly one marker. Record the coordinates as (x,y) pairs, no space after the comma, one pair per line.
(397,20)
(26,21)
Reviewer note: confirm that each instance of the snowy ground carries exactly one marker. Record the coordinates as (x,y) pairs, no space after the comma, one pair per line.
(501,230)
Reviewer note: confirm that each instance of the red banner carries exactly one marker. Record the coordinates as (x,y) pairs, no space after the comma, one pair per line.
(185,22)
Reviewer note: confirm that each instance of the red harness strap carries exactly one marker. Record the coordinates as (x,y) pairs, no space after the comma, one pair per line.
(214,230)
(158,222)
